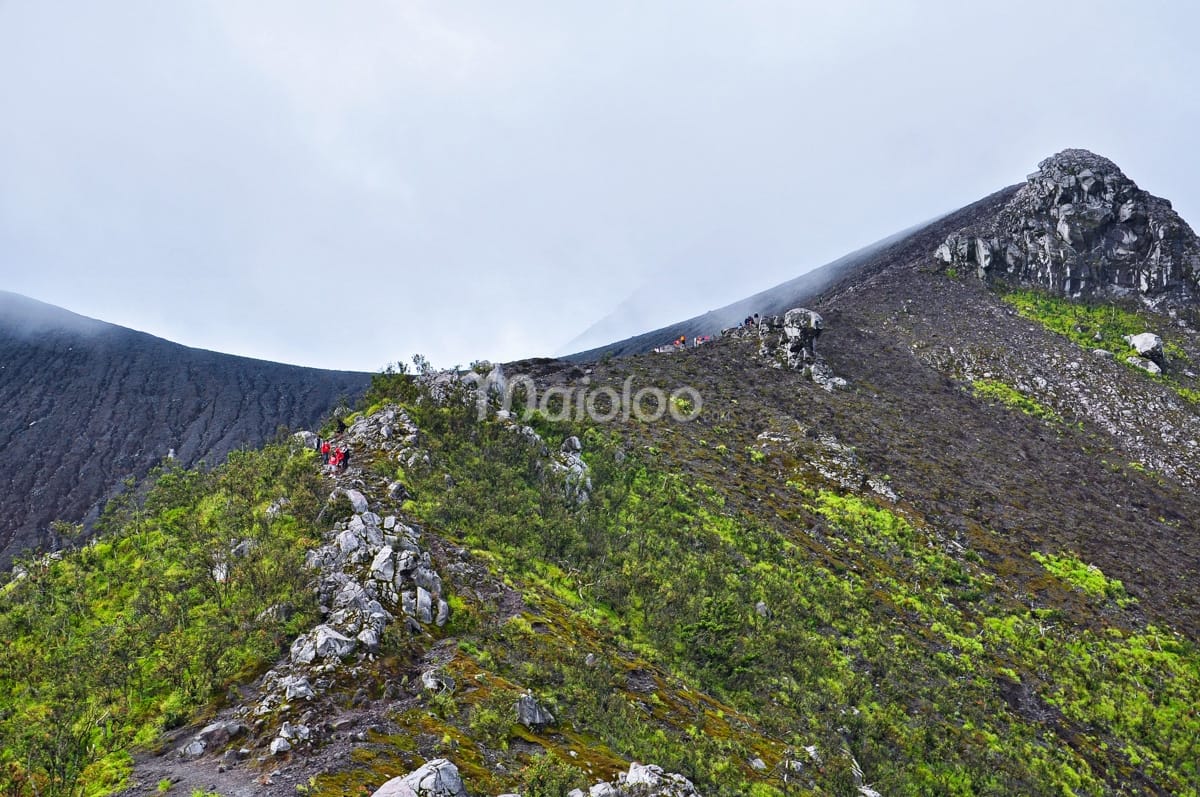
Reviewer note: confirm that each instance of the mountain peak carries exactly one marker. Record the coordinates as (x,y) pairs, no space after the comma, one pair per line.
(1080,227)
(1076,161)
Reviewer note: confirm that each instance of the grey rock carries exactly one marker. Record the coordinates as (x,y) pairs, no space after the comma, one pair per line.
(369,637)
(193,749)
(424,608)
(383,568)
(234,756)
(296,687)
(443,613)
(664,784)
(407,563)
(306,439)
(437,778)
(532,714)
(1148,345)
(294,733)
(322,642)
(357,500)
(279,746)
(218,734)
(645,780)
(790,341)
(435,681)
(1146,365)
(396,787)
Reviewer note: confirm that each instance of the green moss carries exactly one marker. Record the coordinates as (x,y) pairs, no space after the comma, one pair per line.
(1009,396)
(119,641)
(1086,577)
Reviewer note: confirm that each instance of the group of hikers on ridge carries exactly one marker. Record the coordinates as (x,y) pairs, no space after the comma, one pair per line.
(681,342)
(336,458)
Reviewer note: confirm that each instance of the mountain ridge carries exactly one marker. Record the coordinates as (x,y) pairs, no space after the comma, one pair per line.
(89,403)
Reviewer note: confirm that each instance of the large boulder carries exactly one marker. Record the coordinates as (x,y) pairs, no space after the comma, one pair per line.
(789,341)
(218,734)
(437,778)
(323,642)
(358,501)
(1147,345)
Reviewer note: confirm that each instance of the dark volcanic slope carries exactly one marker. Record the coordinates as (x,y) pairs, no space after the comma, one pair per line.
(846,270)
(88,403)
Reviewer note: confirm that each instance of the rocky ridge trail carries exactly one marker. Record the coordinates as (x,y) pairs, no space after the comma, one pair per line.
(307,715)
(291,724)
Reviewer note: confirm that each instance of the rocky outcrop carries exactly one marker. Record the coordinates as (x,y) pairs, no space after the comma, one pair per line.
(1080,227)
(575,473)
(642,780)
(368,573)
(789,341)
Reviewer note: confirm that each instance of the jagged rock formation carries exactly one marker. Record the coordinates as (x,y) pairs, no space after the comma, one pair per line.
(789,341)
(87,404)
(1080,227)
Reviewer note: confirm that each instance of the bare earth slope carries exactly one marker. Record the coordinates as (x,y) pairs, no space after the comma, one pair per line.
(87,404)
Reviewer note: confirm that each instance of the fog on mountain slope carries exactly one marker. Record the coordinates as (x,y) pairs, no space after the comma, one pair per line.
(1078,225)
(664,298)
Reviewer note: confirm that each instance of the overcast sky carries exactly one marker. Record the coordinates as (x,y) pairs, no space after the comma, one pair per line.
(345,184)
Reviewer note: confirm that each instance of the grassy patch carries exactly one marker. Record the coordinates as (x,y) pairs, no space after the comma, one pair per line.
(1009,396)
(1086,577)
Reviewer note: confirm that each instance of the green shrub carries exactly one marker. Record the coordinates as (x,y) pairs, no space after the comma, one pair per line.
(550,776)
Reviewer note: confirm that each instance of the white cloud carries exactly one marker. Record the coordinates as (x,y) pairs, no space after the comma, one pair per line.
(476,179)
